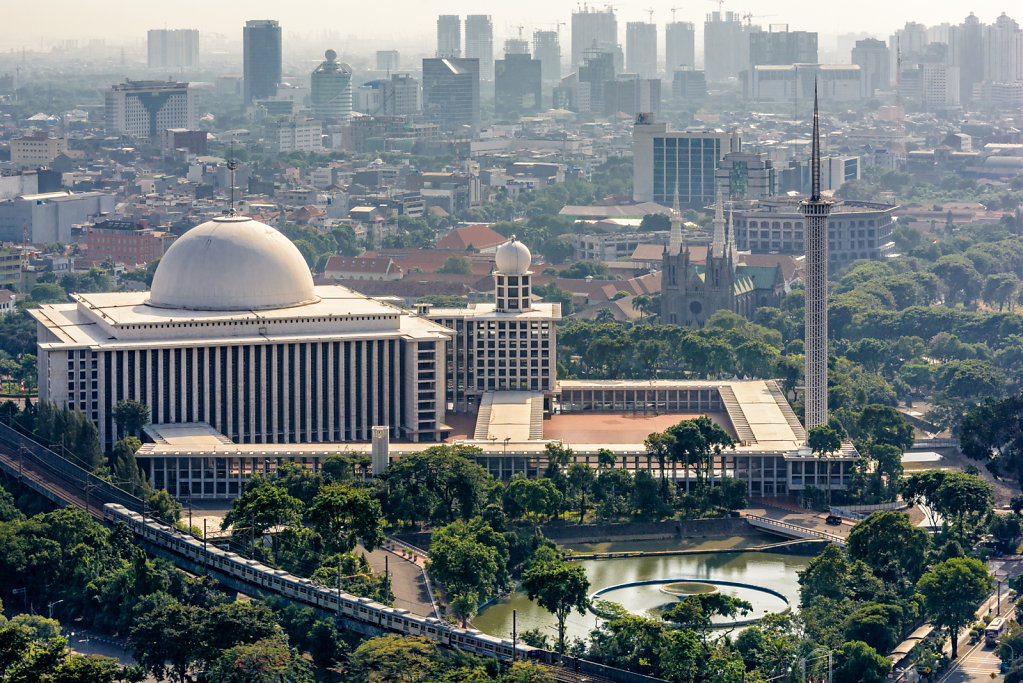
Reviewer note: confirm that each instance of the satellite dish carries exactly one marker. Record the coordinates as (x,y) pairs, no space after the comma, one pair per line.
(330,55)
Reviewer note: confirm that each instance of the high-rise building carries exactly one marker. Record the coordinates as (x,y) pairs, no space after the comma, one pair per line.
(939,86)
(173,48)
(547,50)
(402,96)
(591,29)
(517,85)
(688,83)
(641,48)
(516,46)
(873,58)
(968,43)
(629,94)
(815,210)
(479,43)
(725,46)
(679,45)
(598,68)
(746,175)
(449,35)
(782,46)
(451,92)
(143,109)
(1003,51)
(388,60)
(664,161)
(262,54)
(331,89)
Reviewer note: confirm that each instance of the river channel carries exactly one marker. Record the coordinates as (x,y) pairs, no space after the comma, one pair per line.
(776,571)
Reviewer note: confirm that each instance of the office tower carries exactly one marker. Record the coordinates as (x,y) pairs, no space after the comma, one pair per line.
(591,29)
(679,46)
(547,49)
(451,92)
(144,109)
(517,85)
(873,58)
(262,54)
(815,211)
(629,94)
(641,48)
(173,49)
(687,83)
(725,46)
(598,68)
(1003,51)
(663,161)
(402,96)
(449,36)
(331,89)
(939,86)
(516,46)
(388,60)
(969,44)
(779,45)
(479,43)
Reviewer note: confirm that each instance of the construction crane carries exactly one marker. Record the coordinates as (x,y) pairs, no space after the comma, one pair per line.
(650,15)
(519,27)
(673,10)
(750,17)
(720,4)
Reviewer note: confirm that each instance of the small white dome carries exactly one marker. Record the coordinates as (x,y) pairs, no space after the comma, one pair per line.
(232,263)
(513,258)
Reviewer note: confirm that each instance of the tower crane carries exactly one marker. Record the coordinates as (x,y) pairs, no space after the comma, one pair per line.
(720,4)
(673,10)
(750,17)
(650,15)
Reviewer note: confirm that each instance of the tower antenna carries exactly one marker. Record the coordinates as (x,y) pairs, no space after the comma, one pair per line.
(815,163)
(232,165)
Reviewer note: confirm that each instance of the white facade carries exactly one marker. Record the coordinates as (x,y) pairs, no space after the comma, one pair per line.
(1003,51)
(265,357)
(663,161)
(794,82)
(142,109)
(298,134)
(331,89)
(939,85)
(35,150)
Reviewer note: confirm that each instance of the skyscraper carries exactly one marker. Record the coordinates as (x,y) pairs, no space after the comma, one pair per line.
(593,29)
(262,54)
(144,109)
(782,46)
(547,49)
(598,68)
(173,48)
(1003,51)
(517,85)
(331,89)
(679,46)
(388,60)
(641,49)
(479,43)
(872,56)
(815,211)
(725,46)
(451,92)
(516,46)
(449,35)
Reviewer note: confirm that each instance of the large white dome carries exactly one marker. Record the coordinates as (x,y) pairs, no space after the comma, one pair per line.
(513,258)
(232,263)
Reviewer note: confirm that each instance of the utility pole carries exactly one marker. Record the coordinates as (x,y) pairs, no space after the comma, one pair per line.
(514,633)
(339,591)
(205,557)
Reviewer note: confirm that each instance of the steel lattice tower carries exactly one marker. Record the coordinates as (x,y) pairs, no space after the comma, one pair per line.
(815,211)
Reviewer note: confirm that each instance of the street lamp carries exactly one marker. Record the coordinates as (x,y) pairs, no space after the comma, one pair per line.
(50,606)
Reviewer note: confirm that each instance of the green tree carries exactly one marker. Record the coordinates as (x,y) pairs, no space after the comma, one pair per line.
(456,265)
(878,625)
(951,591)
(270,660)
(262,506)
(165,640)
(344,515)
(891,545)
(395,658)
(131,417)
(463,560)
(824,577)
(860,663)
(581,479)
(558,587)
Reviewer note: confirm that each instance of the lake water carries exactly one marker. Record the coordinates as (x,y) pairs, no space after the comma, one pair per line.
(770,570)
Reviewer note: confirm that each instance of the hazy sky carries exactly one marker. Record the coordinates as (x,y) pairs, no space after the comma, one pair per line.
(397,22)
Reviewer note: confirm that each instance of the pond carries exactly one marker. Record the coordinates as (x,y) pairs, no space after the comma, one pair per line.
(776,571)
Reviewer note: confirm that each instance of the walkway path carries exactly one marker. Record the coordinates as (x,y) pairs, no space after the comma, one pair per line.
(407,581)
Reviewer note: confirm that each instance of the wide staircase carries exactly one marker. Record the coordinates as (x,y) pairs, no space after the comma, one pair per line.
(738,417)
(786,409)
(482,432)
(536,418)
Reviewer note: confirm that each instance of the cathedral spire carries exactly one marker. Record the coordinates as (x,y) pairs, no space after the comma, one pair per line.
(675,237)
(815,170)
(717,247)
(730,238)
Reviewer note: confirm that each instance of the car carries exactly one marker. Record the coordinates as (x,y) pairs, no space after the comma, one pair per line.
(833,520)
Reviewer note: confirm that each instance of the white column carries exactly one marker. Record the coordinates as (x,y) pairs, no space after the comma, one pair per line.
(332,394)
(350,381)
(286,374)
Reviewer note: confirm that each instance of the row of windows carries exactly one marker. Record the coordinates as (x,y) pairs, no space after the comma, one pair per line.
(260,321)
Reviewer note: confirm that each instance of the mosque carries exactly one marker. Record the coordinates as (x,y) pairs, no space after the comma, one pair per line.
(244,363)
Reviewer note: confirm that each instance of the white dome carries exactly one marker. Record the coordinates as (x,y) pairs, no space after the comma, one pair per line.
(513,258)
(232,263)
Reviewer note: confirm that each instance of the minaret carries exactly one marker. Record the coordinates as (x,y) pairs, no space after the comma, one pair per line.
(717,247)
(815,212)
(675,237)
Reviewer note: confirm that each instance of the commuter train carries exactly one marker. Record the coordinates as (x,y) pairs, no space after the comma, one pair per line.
(314,594)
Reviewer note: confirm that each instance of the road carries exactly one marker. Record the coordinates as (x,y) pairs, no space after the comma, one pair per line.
(975,665)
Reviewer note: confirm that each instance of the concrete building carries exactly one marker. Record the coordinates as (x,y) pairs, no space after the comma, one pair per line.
(598,68)
(688,84)
(593,28)
(679,46)
(779,45)
(262,57)
(518,85)
(641,49)
(725,46)
(506,346)
(192,141)
(516,46)
(235,335)
(451,92)
(629,94)
(663,161)
(47,218)
(795,82)
(173,48)
(36,150)
(1003,51)
(547,50)
(479,43)
(857,230)
(939,86)
(746,175)
(124,241)
(10,267)
(331,90)
(296,134)
(874,60)
(142,109)
(449,36)
(388,60)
